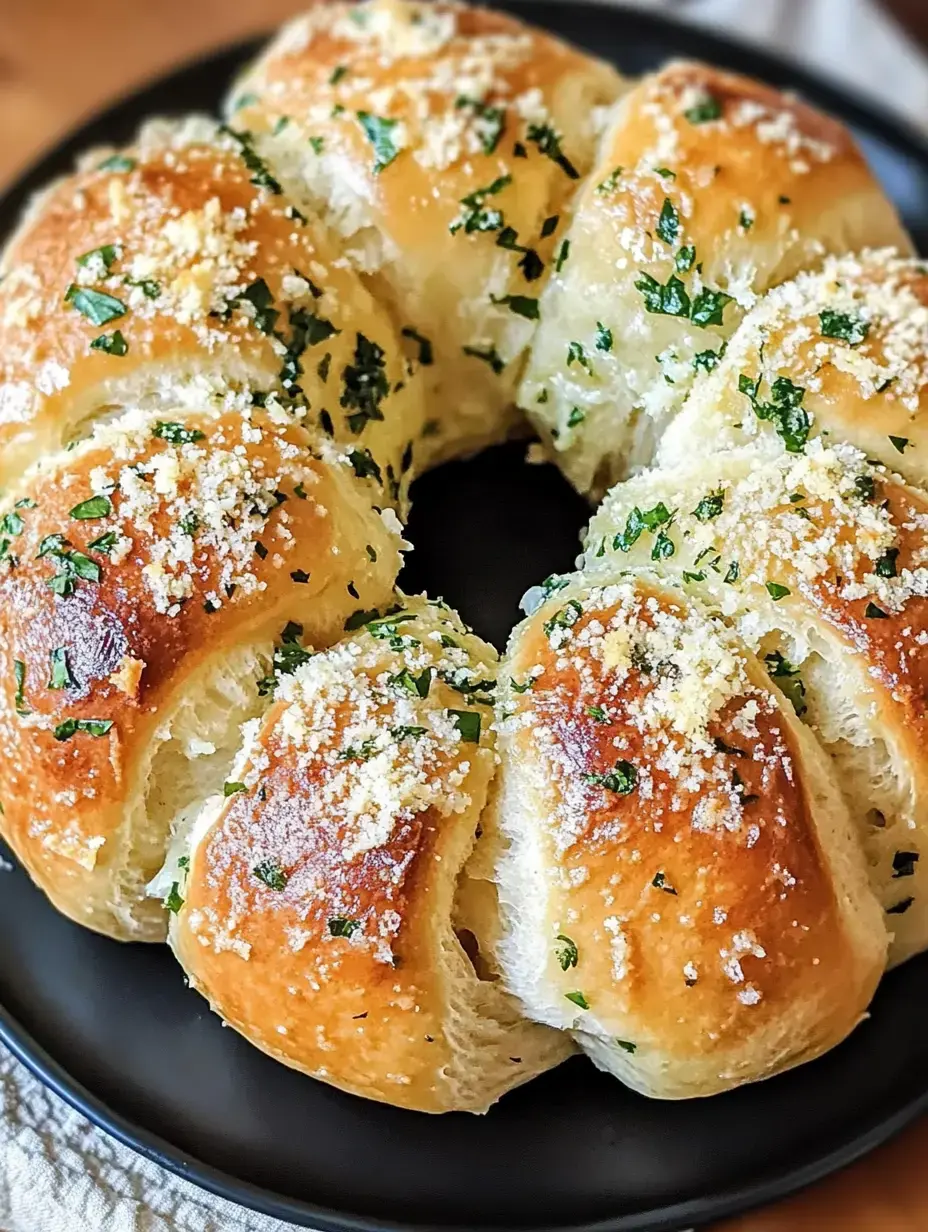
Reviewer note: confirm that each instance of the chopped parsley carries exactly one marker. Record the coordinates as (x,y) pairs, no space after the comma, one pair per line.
(707,109)
(621,779)
(339,73)
(611,182)
(886,566)
(475,216)
(597,713)
(260,174)
(92,727)
(668,225)
(490,121)
(561,259)
(707,361)
(565,618)
(271,873)
(340,926)
(604,339)
(19,676)
(576,354)
(872,612)
(900,443)
(668,299)
(627,1045)
(685,258)
(174,901)
(566,951)
(549,226)
(660,882)
(850,329)
(364,465)
(96,306)
(576,417)
(406,682)
(777,592)
(520,305)
(60,673)
(468,724)
(71,565)
(549,143)
(177,434)
(710,506)
(578,999)
(94,507)
(111,344)
(901,907)
(638,522)
(380,133)
(745,220)
(787,677)
(490,356)
(426,354)
(784,410)
(117,162)
(364,384)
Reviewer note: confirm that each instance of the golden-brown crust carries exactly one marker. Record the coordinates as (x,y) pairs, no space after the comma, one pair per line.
(204,544)
(853,338)
(214,286)
(318,902)
(465,101)
(716,188)
(814,554)
(689,880)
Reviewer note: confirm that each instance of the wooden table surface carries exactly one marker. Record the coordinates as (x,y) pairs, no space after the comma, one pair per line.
(59,62)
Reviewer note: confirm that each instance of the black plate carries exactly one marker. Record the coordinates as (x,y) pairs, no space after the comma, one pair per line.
(114,1031)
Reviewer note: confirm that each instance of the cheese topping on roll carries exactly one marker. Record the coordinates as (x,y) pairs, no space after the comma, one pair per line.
(317,901)
(698,912)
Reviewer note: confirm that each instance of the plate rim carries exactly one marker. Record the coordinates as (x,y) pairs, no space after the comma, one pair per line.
(702,43)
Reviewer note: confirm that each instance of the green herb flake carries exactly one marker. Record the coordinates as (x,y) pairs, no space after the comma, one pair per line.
(562,256)
(111,344)
(685,259)
(174,901)
(900,443)
(19,677)
(706,361)
(91,727)
(787,677)
(627,1045)
(271,874)
(549,143)
(490,357)
(380,133)
(426,354)
(340,926)
(886,566)
(60,673)
(475,217)
(490,121)
(621,779)
(872,612)
(578,999)
(177,434)
(576,417)
(710,506)
(784,410)
(96,306)
(707,109)
(233,789)
(566,952)
(604,339)
(668,224)
(118,162)
(777,592)
(904,864)
(468,724)
(93,507)
(519,305)
(660,882)
(848,328)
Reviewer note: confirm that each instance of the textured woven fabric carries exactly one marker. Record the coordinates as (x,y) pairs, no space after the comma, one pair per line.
(58,1173)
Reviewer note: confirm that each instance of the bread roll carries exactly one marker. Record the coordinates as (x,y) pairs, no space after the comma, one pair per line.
(443,144)
(708,189)
(146,578)
(680,883)
(841,353)
(176,273)
(318,901)
(818,560)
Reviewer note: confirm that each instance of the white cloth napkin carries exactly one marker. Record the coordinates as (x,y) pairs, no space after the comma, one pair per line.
(60,1174)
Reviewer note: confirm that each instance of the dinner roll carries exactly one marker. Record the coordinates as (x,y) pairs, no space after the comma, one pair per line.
(680,884)
(818,559)
(175,273)
(443,144)
(841,353)
(708,189)
(145,580)
(317,901)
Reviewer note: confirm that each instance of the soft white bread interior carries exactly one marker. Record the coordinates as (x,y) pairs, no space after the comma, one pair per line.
(316,900)
(709,188)
(443,144)
(680,881)
(841,353)
(818,560)
(147,575)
